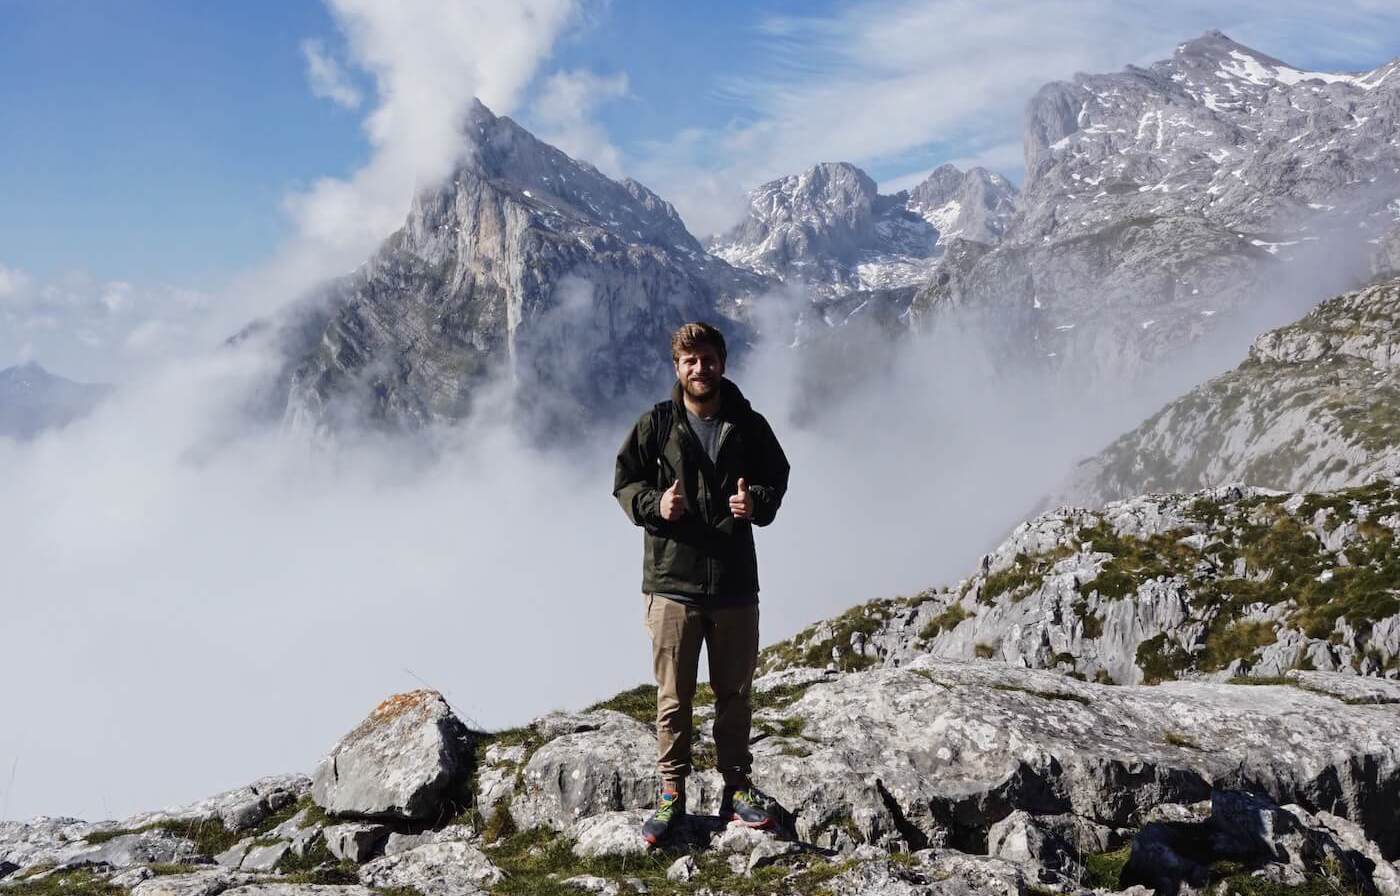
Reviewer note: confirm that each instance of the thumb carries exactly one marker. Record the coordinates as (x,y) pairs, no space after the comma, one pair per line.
(742,486)
(676,486)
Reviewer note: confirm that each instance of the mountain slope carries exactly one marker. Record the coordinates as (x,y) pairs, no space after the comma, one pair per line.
(1316,406)
(1160,201)
(527,267)
(830,229)
(33,400)
(1220,583)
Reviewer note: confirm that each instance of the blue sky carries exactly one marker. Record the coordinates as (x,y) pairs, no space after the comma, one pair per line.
(158,157)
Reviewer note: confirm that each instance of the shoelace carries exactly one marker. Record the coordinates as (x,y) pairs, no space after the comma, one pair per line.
(667,807)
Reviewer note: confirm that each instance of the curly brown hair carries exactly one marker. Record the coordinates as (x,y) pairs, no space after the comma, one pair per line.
(695,334)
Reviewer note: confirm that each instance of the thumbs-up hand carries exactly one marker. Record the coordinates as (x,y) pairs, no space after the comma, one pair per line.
(741,505)
(672,502)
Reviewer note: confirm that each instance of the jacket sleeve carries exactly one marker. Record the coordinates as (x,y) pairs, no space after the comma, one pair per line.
(771,480)
(633,476)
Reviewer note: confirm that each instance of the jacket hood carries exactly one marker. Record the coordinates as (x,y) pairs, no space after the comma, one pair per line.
(732,403)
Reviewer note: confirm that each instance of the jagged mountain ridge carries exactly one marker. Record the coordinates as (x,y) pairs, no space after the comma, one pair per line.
(526,266)
(1159,201)
(830,228)
(33,400)
(1313,408)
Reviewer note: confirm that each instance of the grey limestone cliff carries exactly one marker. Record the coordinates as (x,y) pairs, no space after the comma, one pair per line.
(527,268)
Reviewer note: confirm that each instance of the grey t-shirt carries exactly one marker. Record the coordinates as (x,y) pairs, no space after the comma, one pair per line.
(708,431)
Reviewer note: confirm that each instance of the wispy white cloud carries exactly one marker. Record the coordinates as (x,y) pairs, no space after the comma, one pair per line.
(91,329)
(327,78)
(427,59)
(563,111)
(12,281)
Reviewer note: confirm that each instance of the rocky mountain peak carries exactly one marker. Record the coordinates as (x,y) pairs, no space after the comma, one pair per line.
(513,160)
(831,229)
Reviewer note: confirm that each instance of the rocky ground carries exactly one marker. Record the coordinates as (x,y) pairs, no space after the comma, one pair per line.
(937,777)
(1227,582)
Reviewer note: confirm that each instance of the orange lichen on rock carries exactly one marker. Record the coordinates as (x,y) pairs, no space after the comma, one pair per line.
(399,704)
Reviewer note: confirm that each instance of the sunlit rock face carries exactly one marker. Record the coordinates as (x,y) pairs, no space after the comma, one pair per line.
(1161,202)
(526,267)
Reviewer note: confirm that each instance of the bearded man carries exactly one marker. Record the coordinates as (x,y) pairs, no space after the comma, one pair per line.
(697,472)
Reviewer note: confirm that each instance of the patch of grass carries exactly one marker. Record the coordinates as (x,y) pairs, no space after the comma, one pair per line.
(984,651)
(537,861)
(1045,695)
(500,824)
(1161,660)
(1235,641)
(945,621)
(1135,560)
(1025,574)
(1177,739)
(315,856)
(805,649)
(780,697)
(1261,679)
(638,702)
(1104,870)
(78,882)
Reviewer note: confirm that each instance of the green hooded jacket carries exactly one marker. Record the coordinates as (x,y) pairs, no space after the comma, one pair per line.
(707,551)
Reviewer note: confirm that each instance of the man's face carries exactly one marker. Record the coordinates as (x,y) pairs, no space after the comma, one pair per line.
(699,371)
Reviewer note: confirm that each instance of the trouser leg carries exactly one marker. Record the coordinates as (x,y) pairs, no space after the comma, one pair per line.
(731,639)
(676,633)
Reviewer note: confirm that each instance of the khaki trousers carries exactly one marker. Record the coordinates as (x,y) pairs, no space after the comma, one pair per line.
(730,636)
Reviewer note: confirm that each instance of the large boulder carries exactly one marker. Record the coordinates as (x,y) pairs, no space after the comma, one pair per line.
(400,762)
(600,761)
(438,869)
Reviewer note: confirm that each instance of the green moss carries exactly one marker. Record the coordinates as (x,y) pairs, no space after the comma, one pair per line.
(945,621)
(1177,739)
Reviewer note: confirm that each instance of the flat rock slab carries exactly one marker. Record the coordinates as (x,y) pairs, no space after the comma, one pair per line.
(611,834)
(300,890)
(398,763)
(265,858)
(196,883)
(237,809)
(946,748)
(438,869)
(1349,688)
(145,848)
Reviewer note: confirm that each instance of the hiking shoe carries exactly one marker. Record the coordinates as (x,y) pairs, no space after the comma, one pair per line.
(746,807)
(670,810)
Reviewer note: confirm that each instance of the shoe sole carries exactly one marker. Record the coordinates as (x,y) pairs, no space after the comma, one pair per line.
(756,825)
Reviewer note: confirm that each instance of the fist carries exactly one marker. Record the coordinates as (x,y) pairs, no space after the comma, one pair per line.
(672,502)
(741,505)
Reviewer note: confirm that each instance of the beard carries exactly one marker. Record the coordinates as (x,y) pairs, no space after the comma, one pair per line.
(701,392)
